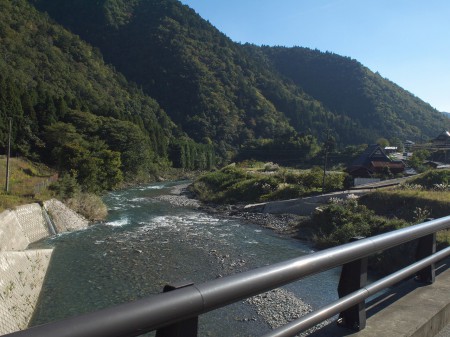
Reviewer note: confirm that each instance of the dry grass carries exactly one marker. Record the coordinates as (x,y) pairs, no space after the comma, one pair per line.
(28,182)
(412,206)
(443,237)
(90,206)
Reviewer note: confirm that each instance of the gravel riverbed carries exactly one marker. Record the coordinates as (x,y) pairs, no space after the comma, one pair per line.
(276,307)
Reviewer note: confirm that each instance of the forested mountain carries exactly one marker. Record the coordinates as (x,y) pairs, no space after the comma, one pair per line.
(348,88)
(229,93)
(153,73)
(71,110)
(200,77)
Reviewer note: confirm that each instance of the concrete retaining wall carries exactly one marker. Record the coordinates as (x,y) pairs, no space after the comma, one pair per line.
(300,206)
(22,272)
(12,237)
(22,276)
(32,221)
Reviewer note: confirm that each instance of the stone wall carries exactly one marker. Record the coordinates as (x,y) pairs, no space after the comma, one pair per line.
(64,219)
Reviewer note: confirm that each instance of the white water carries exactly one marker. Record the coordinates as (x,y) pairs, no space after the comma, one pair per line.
(147,243)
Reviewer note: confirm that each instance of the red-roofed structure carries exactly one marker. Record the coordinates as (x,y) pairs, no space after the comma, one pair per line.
(374,161)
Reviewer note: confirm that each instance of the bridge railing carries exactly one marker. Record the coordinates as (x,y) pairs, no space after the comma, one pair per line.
(175,313)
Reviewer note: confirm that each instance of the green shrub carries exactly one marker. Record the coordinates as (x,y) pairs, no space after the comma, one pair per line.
(212,186)
(431,178)
(336,223)
(66,187)
(334,181)
(235,184)
(313,178)
(291,177)
(286,191)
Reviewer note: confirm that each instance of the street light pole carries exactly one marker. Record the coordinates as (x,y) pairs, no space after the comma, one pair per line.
(8,156)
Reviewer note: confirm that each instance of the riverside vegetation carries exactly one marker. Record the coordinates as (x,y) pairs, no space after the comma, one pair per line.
(32,182)
(263,182)
(422,197)
(28,182)
(377,212)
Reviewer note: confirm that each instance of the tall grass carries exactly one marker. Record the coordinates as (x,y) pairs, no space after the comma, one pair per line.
(425,196)
(28,182)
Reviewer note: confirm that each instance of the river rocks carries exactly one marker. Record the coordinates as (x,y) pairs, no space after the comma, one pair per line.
(281,223)
(180,200)
(279,307)
(179,196)
(286,224)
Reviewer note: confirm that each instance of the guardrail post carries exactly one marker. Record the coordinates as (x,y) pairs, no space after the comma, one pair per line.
(353,277)
(425,248)
(187,328)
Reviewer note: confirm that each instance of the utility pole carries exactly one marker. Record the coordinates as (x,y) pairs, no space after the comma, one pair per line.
(8,156)
(326,148)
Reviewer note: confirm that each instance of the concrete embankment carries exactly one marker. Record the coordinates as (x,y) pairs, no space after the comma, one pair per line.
(300,206)
(22,271)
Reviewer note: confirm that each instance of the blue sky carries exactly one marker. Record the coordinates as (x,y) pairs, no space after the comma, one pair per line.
(406,41)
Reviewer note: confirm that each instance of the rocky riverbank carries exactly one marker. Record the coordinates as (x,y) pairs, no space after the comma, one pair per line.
(180,196)
(286,224)
(276,307)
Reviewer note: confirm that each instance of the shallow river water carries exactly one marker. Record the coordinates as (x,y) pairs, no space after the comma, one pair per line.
(146,243)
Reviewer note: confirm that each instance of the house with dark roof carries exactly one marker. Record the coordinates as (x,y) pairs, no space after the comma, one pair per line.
(408,144)
(374,161)
(442,139)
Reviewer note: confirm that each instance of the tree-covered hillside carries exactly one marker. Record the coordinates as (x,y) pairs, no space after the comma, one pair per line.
(348,88)
(196,73)
(71,110)
(231,94)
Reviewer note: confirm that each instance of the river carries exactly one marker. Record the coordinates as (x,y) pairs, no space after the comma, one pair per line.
(147,242)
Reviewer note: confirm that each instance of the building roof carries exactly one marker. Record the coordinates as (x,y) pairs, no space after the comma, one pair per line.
(372,160)
(371,153)
(443,137)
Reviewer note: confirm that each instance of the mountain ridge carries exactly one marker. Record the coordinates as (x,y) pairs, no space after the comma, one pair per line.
(204,80)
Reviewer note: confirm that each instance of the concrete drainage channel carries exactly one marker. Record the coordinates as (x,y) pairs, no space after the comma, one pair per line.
(22,271)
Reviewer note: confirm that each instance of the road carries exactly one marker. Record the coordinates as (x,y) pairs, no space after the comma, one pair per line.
(445,332)
(383,183)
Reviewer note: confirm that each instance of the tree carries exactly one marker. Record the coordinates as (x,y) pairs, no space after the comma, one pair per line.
(383,142)
(417,159)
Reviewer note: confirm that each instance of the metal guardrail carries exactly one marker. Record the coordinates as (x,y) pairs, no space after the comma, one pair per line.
(174,311)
